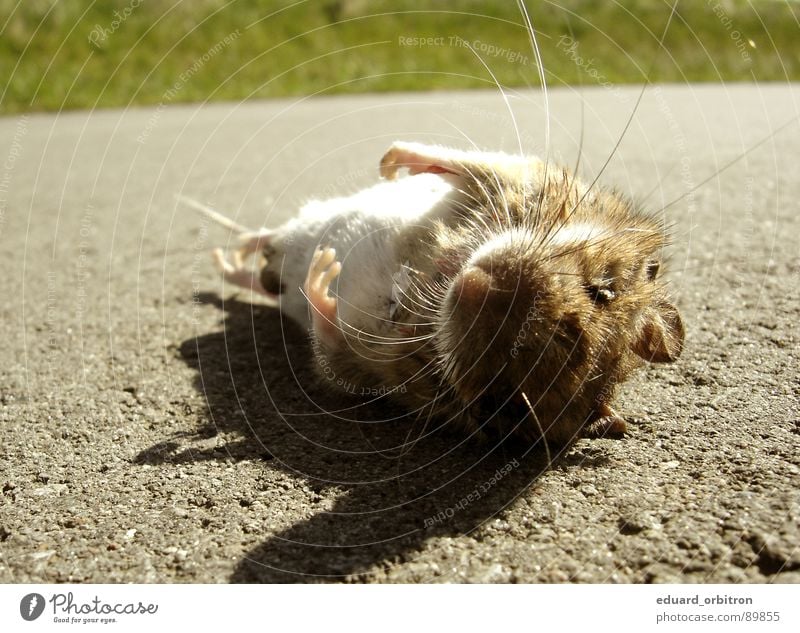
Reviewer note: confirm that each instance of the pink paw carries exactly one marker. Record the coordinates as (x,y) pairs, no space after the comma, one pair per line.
(239,275)
(407,155)
(321,272)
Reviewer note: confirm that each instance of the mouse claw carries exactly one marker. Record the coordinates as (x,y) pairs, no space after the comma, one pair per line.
(220,263)
(321,272)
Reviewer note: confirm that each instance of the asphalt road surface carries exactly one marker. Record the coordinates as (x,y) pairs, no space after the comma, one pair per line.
(158,427)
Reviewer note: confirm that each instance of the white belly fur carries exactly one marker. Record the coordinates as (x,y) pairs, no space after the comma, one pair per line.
(361,228)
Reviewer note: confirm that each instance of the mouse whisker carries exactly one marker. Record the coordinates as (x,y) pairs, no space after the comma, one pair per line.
(635,109)
(538,426)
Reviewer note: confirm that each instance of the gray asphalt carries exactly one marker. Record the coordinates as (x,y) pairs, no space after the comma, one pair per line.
(155,429)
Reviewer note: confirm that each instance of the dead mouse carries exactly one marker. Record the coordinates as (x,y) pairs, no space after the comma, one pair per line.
(488,290)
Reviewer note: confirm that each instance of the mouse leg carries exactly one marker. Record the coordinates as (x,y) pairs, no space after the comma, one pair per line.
(324,318)
(237,273)
(608,423)
(254,241)
(419,158)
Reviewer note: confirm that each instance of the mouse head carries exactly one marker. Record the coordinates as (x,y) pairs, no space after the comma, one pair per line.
(559,311)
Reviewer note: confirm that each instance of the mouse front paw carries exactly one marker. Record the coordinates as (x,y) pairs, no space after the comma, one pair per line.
(417,158)
(321,272)
(608,423)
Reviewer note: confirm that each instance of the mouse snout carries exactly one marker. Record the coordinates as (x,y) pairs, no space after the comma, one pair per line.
(472,286)
(483,313)
(497,282)
(485,307)
(500,318)
(486,295)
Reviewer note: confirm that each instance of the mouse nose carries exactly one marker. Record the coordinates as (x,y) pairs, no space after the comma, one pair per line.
(484,292)
(473,285)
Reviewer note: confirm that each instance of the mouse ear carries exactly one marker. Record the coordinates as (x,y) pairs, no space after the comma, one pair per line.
(660,335)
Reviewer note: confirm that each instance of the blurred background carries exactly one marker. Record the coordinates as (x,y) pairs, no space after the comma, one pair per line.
(58,55)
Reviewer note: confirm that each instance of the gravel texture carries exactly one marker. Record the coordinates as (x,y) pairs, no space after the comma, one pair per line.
(159,428)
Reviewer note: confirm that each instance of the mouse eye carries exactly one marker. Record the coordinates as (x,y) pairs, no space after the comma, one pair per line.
(651,269)
(600,294)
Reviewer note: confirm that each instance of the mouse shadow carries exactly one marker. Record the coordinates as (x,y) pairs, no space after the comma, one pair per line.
(378,483)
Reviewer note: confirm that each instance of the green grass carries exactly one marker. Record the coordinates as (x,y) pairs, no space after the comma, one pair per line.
(283,48)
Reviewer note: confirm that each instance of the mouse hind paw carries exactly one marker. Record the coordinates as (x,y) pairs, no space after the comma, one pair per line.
(255,242)
(238,274)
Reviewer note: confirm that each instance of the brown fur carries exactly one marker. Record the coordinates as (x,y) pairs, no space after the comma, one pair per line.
(562,322)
